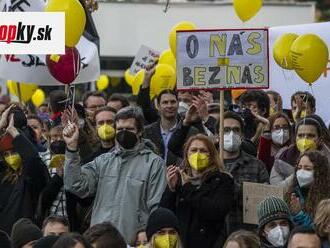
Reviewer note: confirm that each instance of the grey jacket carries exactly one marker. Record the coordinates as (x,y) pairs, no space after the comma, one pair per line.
(127,185)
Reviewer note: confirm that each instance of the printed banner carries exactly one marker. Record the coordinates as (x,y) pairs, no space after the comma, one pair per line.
(288,82)
(222,59)
(33,69)
(144,57)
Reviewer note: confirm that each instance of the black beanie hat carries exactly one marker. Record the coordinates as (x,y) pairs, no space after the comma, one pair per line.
(46,242)
(24,231)
(161,218)
(4,240)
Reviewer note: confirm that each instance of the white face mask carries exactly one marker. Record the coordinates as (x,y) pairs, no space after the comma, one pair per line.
(232,142)
(278,236)
(280,137)
(81,123)
(305,177)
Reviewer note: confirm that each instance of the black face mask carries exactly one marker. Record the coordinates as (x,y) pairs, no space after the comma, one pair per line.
(57,147)
(126,139)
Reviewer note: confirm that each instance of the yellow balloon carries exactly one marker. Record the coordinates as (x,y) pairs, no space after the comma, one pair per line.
(184,25)
(102,83)
(75,18)
(38,97)
(164,78)
(129,78)
(309,57)
(281,50)
(26,89)
(138,81)
(246,9)
(168,58)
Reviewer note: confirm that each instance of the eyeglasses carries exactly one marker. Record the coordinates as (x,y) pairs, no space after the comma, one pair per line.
(236,130)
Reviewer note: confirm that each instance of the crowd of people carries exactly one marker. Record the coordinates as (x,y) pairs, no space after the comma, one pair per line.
(107,172)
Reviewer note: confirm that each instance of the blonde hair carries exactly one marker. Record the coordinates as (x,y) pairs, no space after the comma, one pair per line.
(245,239)
(322,218)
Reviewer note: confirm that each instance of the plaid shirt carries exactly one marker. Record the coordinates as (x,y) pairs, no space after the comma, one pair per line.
(245,168)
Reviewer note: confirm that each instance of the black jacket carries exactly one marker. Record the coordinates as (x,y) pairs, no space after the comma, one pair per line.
(20,199)
(201,211)
(175,144)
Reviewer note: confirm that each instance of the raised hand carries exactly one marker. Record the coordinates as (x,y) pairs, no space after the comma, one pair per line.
(172,177)
(191,116)
(71,129)
(11,129)
(201,106)
(295,205)
(149,72)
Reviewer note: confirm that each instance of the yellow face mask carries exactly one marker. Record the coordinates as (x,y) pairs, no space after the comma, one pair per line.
(199,161)
(106,132)
(306,145)
(166,241)
(13,161)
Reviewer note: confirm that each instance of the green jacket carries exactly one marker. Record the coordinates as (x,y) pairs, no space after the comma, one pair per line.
(127,184)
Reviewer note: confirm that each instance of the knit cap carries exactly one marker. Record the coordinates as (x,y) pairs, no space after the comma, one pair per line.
(159,219)
(24,231)
(272,208)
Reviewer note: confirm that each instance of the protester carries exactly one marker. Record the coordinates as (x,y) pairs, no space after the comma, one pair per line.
(200,193)
(274,222)
(242,239)
(141,182)
(117,102)
(308,138)
(72,240)
(163,230)
(242,166)
(22,173)
(322,222)
(303,104)
(169,129)
(275,102)
(24,234)
(308,187)
(276,136)
(104,120)
(104,235)
(55,226)
(140,239)
(304,237)
(257,102)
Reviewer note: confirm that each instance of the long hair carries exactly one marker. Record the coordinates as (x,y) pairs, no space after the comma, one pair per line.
(244,238)
(322,218)
(320,188)
(215,163)
(278,115)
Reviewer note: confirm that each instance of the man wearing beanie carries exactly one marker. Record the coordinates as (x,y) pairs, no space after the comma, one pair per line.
(163,229)
(274,222)
(24,234)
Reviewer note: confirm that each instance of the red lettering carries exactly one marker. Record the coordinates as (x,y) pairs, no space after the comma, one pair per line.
(11,58)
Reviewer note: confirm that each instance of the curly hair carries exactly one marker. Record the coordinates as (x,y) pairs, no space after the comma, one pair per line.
(320,188)
(215,163)
(322,218)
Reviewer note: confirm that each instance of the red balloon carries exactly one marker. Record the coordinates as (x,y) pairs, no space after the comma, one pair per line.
(64,68)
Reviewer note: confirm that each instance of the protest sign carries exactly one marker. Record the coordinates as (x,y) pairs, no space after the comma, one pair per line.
(253,194)
(144,57)
(222,59)
(287,82)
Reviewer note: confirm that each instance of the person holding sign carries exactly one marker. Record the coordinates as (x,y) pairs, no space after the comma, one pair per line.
(242,166)
(200,193)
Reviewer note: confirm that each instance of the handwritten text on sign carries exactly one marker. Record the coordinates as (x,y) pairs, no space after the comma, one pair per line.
(222,59)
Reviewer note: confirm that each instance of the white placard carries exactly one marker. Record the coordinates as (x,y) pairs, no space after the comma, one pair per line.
(222,59)
(145,56)
(288,82)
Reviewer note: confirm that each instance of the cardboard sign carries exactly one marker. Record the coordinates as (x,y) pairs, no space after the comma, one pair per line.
(144,57)
(253,194)
(222,59)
